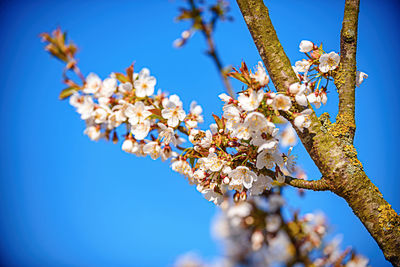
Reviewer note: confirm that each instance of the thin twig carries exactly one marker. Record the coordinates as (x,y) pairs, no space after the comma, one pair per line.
(212,51)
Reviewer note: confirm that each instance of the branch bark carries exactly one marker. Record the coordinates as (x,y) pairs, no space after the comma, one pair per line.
(336,160)
(315,185)
(345,78)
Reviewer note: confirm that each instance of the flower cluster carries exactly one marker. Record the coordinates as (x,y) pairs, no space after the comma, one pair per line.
(232,155)
(318,66)
(256,232)
(240,152)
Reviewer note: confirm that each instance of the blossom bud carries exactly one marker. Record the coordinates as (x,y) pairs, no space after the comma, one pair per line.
(295,88)
(127,145)
(178,43)
(185,34)
(257,239)
(236,197)
(306,46)
(115,138)
(249,220)
(243,196)
(226,180)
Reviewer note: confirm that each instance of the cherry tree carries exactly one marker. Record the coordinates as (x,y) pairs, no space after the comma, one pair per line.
(244,160)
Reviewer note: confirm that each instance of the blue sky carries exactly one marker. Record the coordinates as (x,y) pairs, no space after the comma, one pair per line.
(67,201)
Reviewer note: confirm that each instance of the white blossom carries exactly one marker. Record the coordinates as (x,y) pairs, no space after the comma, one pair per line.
(195,115)
(199,174)
(86,108)
(242,176)
(167,134)
(301,99)
(141,129)
(75,100)
(241,210)
(281,102)
(224,97)
(183,167)
(360,76)
(93,84)
(317,98)
(288,136)
(251,101)
(144,83)
(261,75)
(153,149)
(302,120)
(273,223)
(328,61)
(241,131)
(127,145)
(125,87)
(214,163)
(269,145)
(302,65)
(213,128)
(259,140)
(290,161)
(167,153)
(264,182)
(100,114)
(212,196)
(358,261)
(108,87)
(255,121)
(232,114)
(137,113)
(93,132)
(173,111)
(117,115)
(280,177)
(298,89)
(268,159)
(306,46)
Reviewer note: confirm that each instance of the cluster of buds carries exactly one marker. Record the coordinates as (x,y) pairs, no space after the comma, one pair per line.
(255,233)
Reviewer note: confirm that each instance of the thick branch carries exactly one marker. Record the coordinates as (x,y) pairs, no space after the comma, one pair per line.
(255,13)
(336,161)
(345,78)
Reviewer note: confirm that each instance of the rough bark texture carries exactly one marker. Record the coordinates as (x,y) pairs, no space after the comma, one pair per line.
(328,144)
(345,78)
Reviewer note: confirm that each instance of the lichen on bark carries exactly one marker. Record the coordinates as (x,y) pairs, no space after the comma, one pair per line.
(331,145)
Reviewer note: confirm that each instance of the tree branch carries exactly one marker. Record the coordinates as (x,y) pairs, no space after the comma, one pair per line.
(212,51)
(337,161)
(255,13)
(345,78)
(315,185)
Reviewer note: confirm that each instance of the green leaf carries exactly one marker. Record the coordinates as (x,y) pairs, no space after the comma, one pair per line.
(192,162)
(121,77)
(218,121)
(67,92)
